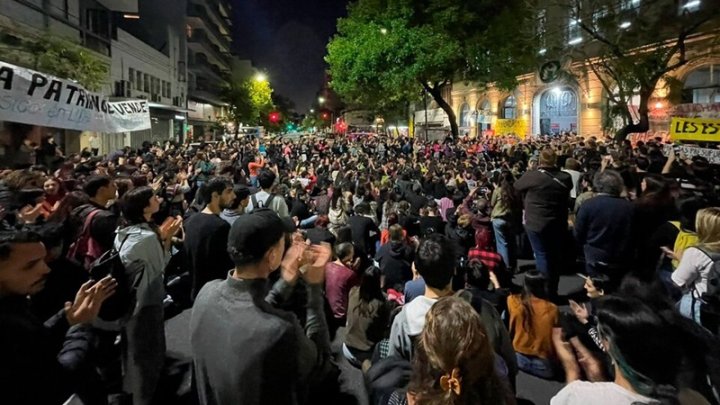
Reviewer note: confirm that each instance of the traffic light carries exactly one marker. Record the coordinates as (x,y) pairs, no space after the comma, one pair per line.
(325,115)
(274,117)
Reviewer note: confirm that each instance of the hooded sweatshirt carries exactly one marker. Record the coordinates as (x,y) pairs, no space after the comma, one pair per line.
(395,262)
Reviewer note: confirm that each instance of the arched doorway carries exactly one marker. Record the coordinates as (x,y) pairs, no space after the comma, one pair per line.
(556,110)
(484,116)
(702,85)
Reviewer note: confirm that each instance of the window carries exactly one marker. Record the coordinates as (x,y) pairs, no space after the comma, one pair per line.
(131,77)
(600,19)
(574,32)
(510,108)
(465,117)
(484,116)
(702,85)
(138,80)
(146,83)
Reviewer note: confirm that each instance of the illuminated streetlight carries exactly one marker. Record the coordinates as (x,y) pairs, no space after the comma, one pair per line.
(312,111)
(383,31)
(260,77)
(321,100)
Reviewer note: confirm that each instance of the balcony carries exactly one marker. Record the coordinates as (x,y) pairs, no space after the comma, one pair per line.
(199,42)
(199,18)
(203,67)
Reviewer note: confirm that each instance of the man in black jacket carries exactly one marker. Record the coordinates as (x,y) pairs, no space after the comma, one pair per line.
(41,361)
(546,194)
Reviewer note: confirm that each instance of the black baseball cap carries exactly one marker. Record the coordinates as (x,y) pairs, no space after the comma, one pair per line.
(251,235)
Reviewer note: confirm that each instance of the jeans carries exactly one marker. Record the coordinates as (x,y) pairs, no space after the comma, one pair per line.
(505,242)
(547,246)
(536,366)
(689,307)
(308,222)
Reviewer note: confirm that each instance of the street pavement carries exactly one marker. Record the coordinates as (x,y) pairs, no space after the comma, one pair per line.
(530,390)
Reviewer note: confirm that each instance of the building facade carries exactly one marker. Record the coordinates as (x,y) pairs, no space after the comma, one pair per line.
(580,106)
(208,30)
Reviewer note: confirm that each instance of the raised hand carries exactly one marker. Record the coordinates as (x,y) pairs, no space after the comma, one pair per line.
(291,262)
(89,300)
(315,269)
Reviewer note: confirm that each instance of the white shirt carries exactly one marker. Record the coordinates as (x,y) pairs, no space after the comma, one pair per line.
(575,176)
(599,393)
(693,271)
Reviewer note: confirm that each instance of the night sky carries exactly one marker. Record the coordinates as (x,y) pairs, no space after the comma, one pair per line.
(287,38)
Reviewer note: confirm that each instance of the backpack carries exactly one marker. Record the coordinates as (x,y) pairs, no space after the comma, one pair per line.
(710,301)
(265,204)
(85,250)
(122,302)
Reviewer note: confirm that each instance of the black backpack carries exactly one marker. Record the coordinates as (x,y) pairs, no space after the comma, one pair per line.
(265,204)
(710,301)
(120,304)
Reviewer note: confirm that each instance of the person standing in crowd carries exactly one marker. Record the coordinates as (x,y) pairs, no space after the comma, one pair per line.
(254,167)
(206,235)
(696,269)
(505,217)
(282,359)
(603,228)
(242,199)
(546,192)
(95,221)
(42,362)
(265,198)
(144,251)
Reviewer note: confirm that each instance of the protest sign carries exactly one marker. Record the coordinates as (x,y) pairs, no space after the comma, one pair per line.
(35,98)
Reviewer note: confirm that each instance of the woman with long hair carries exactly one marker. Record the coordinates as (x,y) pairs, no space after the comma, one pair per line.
(144,251)
(54,193)
(505,214)
(532,320)
(646,353)
(696,266)
(454,363)
(654,208)
(366,318)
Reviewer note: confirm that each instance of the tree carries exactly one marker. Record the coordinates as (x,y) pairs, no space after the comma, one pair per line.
(385,51)
(248,99)
(634,46)
(58,57)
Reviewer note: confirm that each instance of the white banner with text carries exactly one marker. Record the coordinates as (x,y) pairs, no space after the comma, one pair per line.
(35,98)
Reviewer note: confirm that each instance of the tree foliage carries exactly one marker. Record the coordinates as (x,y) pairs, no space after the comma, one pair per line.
(248,99)
(386,52)
(631,46)
(58,57)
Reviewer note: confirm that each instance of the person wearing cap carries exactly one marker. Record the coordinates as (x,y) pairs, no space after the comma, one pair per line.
(246,351)
(242,199)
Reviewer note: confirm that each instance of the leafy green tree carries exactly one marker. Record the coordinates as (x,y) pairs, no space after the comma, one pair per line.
(631,46)
(248,99)
(56,56)
(385,51)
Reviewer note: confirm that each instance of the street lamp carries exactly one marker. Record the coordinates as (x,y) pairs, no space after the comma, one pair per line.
(383,31)
(260,77)
(312,111)
(321,100)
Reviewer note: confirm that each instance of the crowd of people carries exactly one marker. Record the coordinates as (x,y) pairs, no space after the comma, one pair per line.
(434,266)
